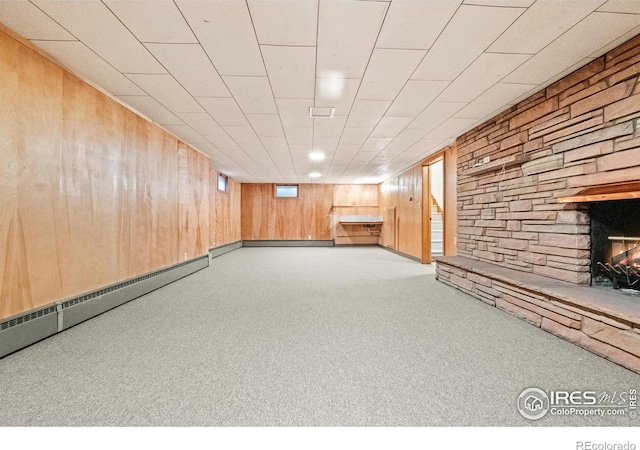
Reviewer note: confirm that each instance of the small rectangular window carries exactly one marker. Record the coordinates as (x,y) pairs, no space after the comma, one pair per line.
(287,191)
(223,183)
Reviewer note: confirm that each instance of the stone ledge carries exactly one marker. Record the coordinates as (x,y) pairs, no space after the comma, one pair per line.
(607,303)
(601,321)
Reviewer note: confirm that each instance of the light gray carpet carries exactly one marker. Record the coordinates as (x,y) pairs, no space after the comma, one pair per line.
(299,336)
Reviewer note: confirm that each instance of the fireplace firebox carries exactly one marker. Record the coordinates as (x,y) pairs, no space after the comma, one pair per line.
(615,243)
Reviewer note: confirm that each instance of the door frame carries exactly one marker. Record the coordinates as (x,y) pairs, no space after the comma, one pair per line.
(426,205)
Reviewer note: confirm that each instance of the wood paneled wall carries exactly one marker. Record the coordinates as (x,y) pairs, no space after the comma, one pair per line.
(193,198)
(359,200)
(224,212)
(265,217)
(404,192)
(450,235)
(90,193)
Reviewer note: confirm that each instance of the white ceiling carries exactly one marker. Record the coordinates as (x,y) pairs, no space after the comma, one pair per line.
(235,79)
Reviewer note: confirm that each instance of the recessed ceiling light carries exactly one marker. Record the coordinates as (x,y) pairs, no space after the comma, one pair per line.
(331,84)
(316,156)
(315,174)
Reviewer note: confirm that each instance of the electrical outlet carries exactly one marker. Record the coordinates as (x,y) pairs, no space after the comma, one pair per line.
(486,159)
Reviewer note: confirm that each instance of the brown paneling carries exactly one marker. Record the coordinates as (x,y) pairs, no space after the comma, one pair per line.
(389,227)
(356,195)
(265,217)
(224,212)
(193,210)
(409,212)
(88,190)
(450,201)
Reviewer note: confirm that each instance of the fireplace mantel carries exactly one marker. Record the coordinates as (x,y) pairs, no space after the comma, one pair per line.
(604,192)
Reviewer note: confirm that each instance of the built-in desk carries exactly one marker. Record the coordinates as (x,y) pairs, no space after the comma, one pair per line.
(361,220)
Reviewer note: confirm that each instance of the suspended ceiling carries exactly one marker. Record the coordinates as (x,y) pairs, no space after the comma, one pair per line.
(235,79)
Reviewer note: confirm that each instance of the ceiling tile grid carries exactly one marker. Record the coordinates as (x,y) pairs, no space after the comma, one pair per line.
(236,79)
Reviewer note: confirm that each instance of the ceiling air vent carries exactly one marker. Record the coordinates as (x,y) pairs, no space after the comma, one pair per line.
(321,112)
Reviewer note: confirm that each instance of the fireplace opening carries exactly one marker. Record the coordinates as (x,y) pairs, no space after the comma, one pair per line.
(615,244)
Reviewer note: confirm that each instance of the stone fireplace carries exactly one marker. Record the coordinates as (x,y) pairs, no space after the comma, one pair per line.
(615,244)
(547,190)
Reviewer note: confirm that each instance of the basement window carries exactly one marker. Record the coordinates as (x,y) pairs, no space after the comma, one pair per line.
(223,183)
(287,190)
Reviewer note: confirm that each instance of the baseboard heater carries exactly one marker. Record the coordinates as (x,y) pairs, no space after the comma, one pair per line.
(28,328)
(393,250)
(290,243)
(223,249)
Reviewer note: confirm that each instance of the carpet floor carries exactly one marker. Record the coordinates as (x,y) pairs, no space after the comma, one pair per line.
(300,337)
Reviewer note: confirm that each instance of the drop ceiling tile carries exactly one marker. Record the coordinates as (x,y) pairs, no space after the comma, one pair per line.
(166,90)
(300,152)
(415,96)
(409,137)
(202,123)
(497,97)
(389,127)
(90,22)
(415,24)
(573,46)
(243,134)
(326,144)
(189,136)
(616,42)
(158,21)
(225,111)
(226,33)
(471,30)
(328,132)
(253,94)
(82,61)
(336,92)
(291,70)
(435,114)
(355,136)
(285,22)
(503,3)
(294,112)
(266,124)
(621,6)
(335,122)
(452,128)
(387,73)
(190,65)
(30,22)
(366,113)
(299,135)
(275,145)
(541,24)
(375,145)
(347,32)
(152,109)
(227,145)
(483,73)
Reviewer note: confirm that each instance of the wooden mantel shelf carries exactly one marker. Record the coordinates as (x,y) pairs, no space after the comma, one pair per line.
(616,191)
(498,164)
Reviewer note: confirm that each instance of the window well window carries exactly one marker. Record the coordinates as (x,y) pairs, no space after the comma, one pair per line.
(287,191)
(223,183)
